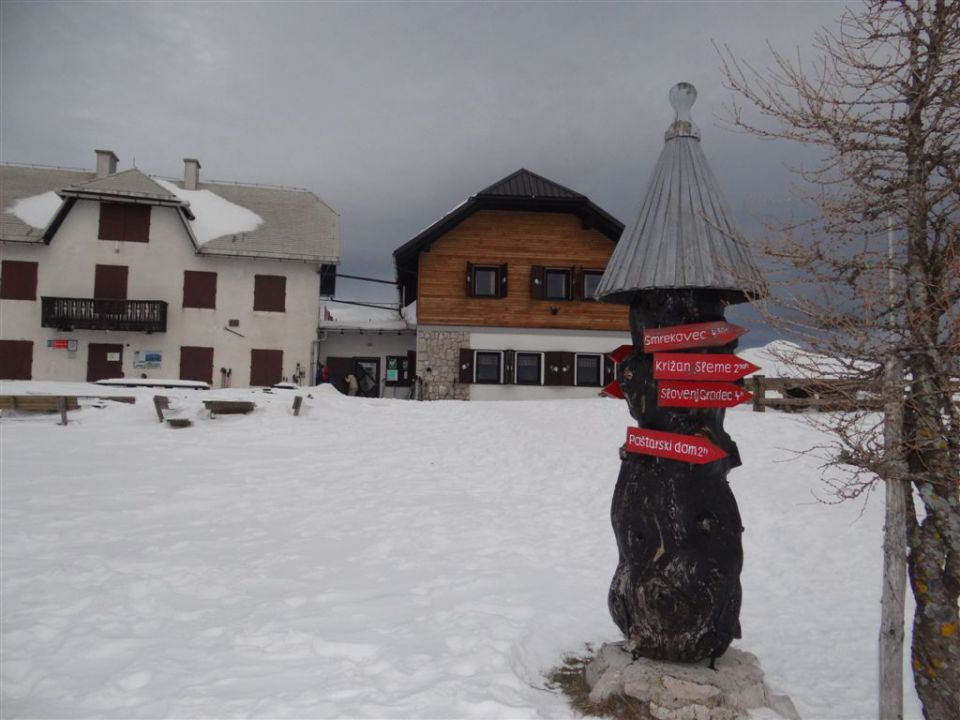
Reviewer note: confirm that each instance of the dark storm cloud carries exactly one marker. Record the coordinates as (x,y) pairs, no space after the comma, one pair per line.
(393,113)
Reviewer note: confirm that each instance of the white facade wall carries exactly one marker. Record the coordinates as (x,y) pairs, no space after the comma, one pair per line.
(67,269)
(535,340)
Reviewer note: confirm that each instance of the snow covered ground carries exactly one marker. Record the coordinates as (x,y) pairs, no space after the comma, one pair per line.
(379,558)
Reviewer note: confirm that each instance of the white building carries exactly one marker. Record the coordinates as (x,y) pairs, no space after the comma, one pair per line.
(116,274)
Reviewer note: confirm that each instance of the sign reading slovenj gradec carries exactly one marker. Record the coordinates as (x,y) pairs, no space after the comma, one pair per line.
(685,337)
(685,393)
(685,366)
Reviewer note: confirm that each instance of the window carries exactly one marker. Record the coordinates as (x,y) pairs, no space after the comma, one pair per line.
(528,368)
(486,281)
(398,371)
(125,222)
(18,280)
(488,367)
(269,292)
(588,371)
(557,285)
(16,359)
(199,289)
(110,282)
(266,367)
(591,280)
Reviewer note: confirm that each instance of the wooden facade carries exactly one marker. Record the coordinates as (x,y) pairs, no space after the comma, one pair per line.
(522,241)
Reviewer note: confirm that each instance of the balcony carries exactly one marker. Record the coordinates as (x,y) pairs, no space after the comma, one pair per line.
(147,316)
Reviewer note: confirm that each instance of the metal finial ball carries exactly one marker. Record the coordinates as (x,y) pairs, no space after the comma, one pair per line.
(682,97)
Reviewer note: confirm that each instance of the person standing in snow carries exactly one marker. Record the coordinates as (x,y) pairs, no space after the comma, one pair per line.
(352,386)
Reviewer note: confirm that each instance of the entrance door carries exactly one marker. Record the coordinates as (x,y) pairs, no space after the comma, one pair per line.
(367,372)
(196,363)
(104,361)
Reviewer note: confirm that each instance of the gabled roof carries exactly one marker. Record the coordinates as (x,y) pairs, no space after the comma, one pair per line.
(129,183)
(296,224)
(523,191)
(684,235)
(524,183)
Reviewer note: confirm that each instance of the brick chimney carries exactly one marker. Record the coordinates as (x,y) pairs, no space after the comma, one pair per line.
(106,163)
(191,173)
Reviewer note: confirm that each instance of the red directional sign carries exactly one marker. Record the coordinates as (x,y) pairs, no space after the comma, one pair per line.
(682,393)
(693,366)
(683,337)
(612,389)
(689,448)
(621,353)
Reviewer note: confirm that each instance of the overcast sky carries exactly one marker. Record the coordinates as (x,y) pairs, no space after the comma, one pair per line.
(392,112)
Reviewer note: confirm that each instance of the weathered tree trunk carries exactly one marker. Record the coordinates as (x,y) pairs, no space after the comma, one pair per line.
(894,548)
(676,591)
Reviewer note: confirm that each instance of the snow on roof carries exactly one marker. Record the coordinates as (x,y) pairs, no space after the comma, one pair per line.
(37,210)
(214,215)
(372,318)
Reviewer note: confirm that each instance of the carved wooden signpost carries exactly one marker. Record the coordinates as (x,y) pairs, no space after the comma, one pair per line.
(676,592)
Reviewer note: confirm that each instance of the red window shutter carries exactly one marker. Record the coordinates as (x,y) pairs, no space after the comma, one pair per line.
(466,366)
(538,278)
(110,282)
(111,221)
(199,289)
(136,226)
(576,285)
(196,363)
(509,363)
(502,290)
(469,286)
(16,359)
(559,369)
(18,280)
(266,367)
(270,293)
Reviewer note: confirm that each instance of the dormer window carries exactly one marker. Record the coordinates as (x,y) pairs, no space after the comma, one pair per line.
(124,222)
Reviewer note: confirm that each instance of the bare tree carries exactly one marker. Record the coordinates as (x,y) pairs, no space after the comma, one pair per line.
(880,108)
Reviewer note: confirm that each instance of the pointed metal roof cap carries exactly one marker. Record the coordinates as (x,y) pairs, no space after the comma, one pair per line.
(684,236)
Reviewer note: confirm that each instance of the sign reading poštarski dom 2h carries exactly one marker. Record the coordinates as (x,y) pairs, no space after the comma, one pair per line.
(676,591)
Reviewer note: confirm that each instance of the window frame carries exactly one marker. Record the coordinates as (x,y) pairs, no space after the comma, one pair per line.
(18,279)
(599,370)
(516,370)
(262,293)
(194,298)
(495,274)
(567,285)
(476,367)
(583,282)
(124,222)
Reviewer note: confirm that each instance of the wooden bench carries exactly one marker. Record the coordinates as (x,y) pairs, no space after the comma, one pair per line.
(37,403)
(229,407)
(40,403)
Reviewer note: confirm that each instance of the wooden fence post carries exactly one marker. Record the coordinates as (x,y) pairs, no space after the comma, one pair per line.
(160,403)
(62,407)
(759,392)
(297,402)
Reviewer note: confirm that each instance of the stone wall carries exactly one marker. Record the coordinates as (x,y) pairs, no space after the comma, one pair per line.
(438,363)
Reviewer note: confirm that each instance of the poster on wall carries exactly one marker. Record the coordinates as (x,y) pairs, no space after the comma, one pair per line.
(147,359)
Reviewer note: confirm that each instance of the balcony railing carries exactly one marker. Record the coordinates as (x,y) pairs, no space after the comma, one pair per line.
(100,314)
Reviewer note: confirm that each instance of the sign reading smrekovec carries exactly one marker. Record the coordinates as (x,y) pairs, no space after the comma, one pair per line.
(684,337)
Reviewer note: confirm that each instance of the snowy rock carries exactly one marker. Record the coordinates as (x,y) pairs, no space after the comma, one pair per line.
(675,691)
